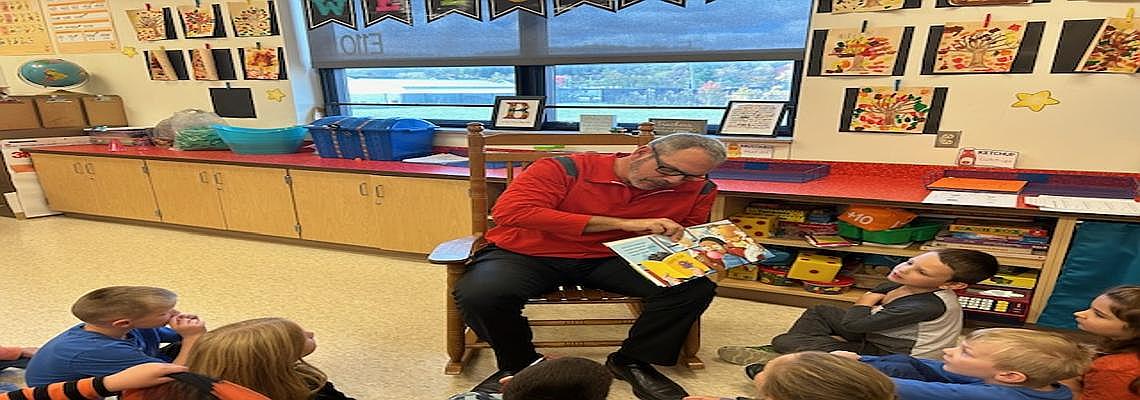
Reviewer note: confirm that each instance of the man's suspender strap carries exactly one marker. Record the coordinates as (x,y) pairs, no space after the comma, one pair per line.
(568,165)
(708,188)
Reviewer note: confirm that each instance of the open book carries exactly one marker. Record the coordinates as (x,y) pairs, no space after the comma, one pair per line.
(704,249)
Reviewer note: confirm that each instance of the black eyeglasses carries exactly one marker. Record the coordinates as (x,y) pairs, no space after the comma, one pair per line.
(667,170)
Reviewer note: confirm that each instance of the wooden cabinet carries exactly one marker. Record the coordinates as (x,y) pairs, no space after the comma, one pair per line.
(244,199)
(387,212)
(113,187)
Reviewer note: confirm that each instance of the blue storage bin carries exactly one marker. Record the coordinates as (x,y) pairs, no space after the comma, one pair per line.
(371,138)
(261,141)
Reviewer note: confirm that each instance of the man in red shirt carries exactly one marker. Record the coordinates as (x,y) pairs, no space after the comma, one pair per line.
(550,226)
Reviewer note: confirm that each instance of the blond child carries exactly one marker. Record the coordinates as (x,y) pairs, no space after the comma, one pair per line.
(1115,373)
(996,363)
(266,355)
(814,375)
(123,326)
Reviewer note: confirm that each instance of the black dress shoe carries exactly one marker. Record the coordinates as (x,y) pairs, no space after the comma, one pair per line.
(751,370)
(491,385)
(648,384)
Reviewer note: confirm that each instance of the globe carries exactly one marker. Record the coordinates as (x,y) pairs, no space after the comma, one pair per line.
(52,73)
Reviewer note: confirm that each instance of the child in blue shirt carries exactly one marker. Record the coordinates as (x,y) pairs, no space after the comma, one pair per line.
(998,363)
(123,326)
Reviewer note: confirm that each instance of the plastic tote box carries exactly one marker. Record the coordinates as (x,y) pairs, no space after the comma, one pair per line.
(372,138)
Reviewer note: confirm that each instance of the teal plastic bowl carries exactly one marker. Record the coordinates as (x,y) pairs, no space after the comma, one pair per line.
(262,141)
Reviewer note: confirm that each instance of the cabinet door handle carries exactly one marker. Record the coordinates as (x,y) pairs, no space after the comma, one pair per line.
(218,178)
(202,177)
(90,168)
(363,188)
(379,194)
(75,167)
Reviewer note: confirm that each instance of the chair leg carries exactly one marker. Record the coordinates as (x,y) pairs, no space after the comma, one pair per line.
(455,325)
(692,345)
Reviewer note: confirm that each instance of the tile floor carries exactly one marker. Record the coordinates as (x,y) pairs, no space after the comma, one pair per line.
(378,318)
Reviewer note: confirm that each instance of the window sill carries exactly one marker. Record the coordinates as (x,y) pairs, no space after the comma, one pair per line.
(455,132)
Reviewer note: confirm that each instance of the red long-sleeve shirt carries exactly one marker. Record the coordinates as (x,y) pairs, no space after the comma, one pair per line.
(1109,376)
(545,209)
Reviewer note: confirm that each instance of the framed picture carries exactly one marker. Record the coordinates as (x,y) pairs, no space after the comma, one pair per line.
(752,118)
(666,126)
(518,112)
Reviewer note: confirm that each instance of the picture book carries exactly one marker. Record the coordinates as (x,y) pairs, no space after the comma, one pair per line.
(704,249)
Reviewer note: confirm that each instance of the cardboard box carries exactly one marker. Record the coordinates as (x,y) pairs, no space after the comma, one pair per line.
(61,111)
(18,112)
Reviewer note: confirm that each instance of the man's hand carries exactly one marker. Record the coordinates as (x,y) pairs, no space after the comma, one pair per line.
(870,299)
(659,226)
(141,376)
(846,354)
(188,325)
(28,352)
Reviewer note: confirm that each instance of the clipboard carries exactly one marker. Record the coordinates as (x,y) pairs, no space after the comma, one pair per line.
(18,112)
(104,110)
(61,111)
(977,185)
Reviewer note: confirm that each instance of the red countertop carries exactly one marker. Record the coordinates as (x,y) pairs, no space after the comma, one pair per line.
(901,184)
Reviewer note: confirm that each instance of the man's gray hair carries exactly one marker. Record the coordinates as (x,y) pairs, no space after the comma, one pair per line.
(680,141)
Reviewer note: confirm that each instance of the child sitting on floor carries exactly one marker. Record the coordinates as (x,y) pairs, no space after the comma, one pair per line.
(1115,373)
(814,375)
(996,363)
(916,313)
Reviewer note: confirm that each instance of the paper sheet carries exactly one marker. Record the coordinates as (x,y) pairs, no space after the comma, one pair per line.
(1088,205)
(442,158)
(972,199)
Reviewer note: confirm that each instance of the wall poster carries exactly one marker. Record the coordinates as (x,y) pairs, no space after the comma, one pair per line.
(82,26)
(22,29)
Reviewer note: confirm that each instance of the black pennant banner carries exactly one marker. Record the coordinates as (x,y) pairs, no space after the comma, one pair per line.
(320,12)
(503,7)
(675,2)
(621,4)
(437,9)
(561,6)
(379,10)
(709,1)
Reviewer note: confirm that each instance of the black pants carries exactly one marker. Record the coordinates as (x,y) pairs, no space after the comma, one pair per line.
(17,363)
(492,293)
(816,330)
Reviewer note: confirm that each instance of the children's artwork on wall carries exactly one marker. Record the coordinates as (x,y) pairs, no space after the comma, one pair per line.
(151,25)
(262,63)
(24,31)
(202,21)
(1035,101)
(849,6)
(1116,48)
(163,65)
(978,46)
(891,110)
(253,18)
(981,48)
(202,64)
(862,52)
(970,3)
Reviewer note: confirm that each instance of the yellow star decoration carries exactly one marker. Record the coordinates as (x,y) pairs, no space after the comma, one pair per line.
(130,51)
(275,95)
(1035,101)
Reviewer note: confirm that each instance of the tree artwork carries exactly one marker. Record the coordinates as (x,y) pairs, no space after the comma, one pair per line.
(884,109)
(848,6)
(977,47)
(149,25)
(855,52)
(1116,48)
(251,19)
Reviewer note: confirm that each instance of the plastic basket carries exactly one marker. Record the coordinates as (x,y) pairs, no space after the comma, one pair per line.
(774,172)
(372,139)
(916,231)
(262,141)
(1056,184)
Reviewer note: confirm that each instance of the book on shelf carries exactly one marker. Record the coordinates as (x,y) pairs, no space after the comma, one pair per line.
(828,240)
(1005,238)
(998,228)
(1028,254)
(992,242)
(702,250)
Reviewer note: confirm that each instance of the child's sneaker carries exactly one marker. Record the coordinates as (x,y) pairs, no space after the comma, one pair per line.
(744,355)
(751,370)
